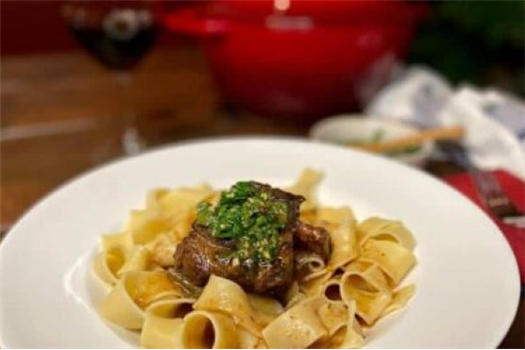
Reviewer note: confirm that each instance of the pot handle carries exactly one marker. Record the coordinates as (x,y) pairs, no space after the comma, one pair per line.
(188,22)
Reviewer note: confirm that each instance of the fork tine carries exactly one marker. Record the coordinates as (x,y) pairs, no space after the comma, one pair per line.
(485,190)
(493,184)
(487,185)
(495,199)
(518,221)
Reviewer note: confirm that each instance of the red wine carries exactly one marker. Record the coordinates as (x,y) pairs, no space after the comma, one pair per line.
(120,40)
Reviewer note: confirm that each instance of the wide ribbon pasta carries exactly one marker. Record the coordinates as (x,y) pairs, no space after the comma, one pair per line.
(115,251)
(138,260)
(294,295)
(400,298)
(107,263)
(384,229)
(333,315)
(163,324)
(135,291)
(145,225)
(353,335)
(308,265)
(328,305)
(265,308)
(209,330)
(343,233)
(306,186)
(223,295)
(394,259)
(366,285)
(297,328)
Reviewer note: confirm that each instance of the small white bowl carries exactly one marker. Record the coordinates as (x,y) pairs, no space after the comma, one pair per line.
(346,128)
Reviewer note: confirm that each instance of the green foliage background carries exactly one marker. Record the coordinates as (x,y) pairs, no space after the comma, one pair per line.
(481,42)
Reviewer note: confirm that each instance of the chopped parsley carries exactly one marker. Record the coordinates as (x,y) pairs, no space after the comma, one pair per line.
(250,216)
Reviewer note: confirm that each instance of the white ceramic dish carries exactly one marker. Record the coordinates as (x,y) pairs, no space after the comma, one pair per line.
(346,128)
(467,279)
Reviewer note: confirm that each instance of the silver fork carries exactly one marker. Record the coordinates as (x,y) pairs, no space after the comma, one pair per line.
(487,185)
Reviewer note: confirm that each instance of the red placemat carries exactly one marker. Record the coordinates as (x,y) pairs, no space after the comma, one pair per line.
(515,189)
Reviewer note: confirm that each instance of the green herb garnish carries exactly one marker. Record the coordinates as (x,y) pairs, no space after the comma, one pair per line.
(250,216)
(377,136)
(404,151)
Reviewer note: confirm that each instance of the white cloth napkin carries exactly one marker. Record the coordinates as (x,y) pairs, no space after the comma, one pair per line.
(494,121)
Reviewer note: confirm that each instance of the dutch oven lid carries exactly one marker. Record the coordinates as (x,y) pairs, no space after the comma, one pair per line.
(330,11)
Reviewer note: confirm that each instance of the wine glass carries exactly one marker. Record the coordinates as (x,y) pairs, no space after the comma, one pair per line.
(118,34)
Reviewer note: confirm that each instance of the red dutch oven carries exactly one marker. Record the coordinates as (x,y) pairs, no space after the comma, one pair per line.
(299,59)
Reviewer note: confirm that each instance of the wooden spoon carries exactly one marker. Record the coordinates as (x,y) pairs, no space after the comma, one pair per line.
(415,140)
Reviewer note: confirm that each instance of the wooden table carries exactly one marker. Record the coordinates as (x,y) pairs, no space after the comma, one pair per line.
(59,115)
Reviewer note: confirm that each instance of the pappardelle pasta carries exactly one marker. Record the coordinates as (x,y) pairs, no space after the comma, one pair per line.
(252,267)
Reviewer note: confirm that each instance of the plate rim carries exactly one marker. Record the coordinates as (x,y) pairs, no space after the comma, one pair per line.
(258,139)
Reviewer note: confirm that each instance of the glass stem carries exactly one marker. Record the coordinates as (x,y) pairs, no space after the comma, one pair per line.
(132,143)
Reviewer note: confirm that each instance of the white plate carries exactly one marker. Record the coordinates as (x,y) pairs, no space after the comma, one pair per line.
(467,279)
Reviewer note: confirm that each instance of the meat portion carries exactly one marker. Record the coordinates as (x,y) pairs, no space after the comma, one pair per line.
(314,239)
(201,255)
